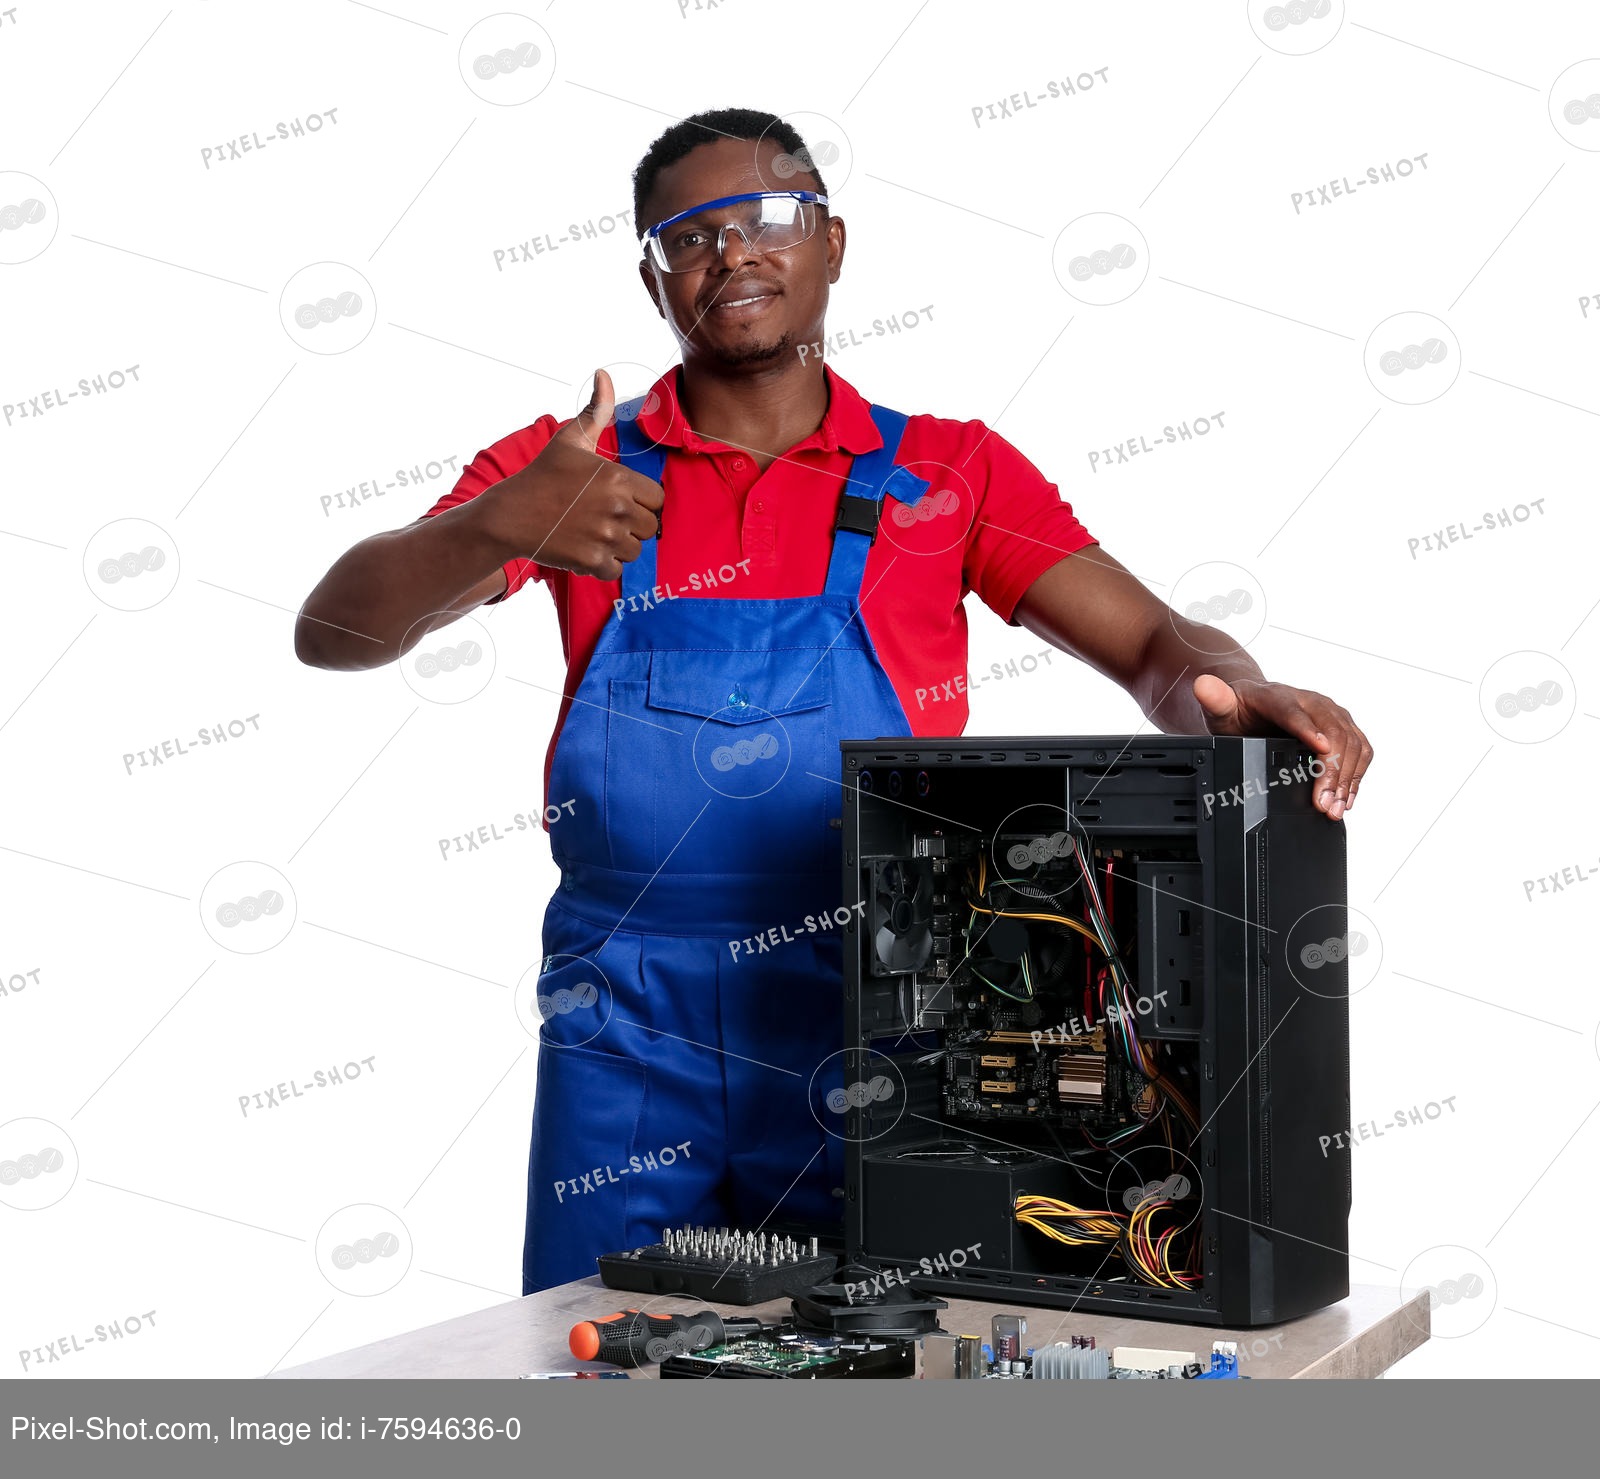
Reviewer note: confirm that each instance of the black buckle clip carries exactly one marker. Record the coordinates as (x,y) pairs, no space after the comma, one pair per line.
(859,515)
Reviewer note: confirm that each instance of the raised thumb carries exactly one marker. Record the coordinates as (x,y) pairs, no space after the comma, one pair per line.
(598,414)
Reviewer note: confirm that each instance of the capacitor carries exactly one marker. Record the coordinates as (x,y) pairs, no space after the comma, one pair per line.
(969,1357)
(1005,1333)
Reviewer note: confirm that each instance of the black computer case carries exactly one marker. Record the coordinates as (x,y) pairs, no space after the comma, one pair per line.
(1223,892)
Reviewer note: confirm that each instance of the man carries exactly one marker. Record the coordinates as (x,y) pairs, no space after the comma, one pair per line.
(749,564)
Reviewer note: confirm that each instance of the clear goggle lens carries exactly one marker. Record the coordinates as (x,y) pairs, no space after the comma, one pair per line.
(767,223)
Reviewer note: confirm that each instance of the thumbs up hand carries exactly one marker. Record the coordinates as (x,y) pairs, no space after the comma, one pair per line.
(574,510)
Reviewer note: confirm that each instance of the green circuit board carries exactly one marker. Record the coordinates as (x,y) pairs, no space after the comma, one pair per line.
(801,1357)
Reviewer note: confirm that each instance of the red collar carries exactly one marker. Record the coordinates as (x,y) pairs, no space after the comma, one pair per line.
(847,423)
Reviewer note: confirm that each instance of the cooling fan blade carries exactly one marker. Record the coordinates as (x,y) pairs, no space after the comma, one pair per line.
(902,917)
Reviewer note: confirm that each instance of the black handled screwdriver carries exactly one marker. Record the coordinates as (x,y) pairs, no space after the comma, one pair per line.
(632,1338)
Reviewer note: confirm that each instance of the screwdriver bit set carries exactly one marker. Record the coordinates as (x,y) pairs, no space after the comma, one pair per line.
(719,1264)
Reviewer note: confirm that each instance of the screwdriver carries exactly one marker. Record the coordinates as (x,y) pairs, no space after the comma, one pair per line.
(632,1338)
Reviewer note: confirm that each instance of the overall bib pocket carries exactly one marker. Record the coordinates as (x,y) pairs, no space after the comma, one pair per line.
(730,739)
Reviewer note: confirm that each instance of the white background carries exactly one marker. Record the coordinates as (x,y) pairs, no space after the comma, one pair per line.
(139,1033)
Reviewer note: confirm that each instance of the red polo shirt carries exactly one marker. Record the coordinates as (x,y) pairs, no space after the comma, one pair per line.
(990,522)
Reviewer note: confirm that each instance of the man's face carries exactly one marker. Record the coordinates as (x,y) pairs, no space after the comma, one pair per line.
(749,308)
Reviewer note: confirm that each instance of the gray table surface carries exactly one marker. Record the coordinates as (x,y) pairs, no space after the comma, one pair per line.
(1361,1336)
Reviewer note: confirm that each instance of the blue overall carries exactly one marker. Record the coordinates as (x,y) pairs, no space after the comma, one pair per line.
(683,1074)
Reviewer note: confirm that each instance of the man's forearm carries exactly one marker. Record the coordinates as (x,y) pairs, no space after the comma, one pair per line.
(387,592)
(1175,655)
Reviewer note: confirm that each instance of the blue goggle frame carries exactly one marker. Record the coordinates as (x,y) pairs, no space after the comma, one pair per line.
(711,205)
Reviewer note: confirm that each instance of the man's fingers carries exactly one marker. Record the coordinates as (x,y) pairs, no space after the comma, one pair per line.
(621,548)
(640,521)
(1351,756)
(597,415)
(646,492)
(1360,770)
(648,498)
(1291,715)
(1325,729)
(1355,755)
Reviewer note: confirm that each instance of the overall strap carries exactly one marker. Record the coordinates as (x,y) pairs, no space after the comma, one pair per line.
(872,476)
(638,453)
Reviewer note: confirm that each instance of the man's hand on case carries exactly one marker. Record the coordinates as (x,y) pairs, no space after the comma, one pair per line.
(1262,708)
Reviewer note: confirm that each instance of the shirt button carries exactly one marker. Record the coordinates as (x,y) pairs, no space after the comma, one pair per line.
(738,464)
(761,508)
(738,699)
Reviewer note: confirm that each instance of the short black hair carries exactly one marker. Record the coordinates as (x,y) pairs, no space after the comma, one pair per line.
(706,128)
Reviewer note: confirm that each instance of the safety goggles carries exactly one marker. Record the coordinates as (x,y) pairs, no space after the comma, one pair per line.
(766,220)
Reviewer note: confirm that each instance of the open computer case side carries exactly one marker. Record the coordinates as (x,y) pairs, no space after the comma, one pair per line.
(1278,1197)
(1220,829)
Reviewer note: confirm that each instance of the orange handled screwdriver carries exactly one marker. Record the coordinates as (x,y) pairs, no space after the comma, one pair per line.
(632,1338)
